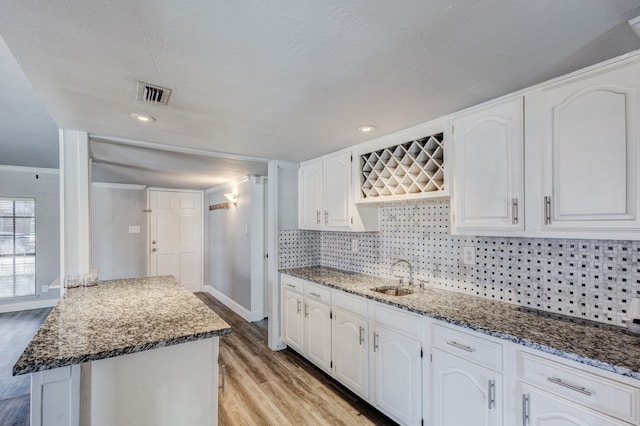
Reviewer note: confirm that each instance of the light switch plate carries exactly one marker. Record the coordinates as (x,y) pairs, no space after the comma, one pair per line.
(134,229)
(469,255)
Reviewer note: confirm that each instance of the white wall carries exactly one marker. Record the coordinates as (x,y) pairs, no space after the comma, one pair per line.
(118,253)
(43,185)
(229,262)
(228,246)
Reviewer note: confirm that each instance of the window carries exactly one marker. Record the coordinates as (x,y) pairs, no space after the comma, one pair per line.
(17,247)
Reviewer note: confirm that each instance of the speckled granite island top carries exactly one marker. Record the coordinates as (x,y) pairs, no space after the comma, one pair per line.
(600,345)
(119,317)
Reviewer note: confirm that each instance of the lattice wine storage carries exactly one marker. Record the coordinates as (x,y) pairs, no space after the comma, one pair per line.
(410,170)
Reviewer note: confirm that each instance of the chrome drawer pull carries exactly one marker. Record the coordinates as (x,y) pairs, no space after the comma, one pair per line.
(492,394)
(361,335)
(514,206)
(318,217)
(580,389)
(375,342)
(314,294)
(291,285)
(460,346)
(298,305)
(547,210)
(306,310)
(525,409)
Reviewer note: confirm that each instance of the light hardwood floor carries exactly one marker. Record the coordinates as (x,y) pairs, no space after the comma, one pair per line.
(264,387)
(16,330)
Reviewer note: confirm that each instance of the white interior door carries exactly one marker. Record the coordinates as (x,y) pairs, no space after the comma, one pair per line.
(175,236)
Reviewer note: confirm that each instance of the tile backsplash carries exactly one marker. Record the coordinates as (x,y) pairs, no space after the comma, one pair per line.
(591,279)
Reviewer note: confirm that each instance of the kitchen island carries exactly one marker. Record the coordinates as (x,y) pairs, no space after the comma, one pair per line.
(131,351)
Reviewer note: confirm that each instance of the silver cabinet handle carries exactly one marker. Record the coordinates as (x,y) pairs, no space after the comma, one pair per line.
(299,302)
(525,409)
(318,217)
(306,310)
(291,285)
(492,394)
(154,249)
(514,207)
(460,346)
(314,294)
(223,370)
(375,342)
(547,210)
(361,336)
(326,217)
(579,389)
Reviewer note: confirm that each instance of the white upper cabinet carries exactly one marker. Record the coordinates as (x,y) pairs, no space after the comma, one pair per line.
(337,190)
(488,169)
(587,128)
(310,196)
(325,196)
(564,163)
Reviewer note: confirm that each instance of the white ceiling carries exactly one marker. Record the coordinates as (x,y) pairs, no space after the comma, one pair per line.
(293,79)
(28,135)
(116,162)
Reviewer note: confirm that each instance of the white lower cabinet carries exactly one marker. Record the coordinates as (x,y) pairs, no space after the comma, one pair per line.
(464,393)
(540,408)
(351,351)
(292,320)
(318,331)
(397,366)
(306,320)
(473,379)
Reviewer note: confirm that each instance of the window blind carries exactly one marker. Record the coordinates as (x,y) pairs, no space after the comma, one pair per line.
(17,247)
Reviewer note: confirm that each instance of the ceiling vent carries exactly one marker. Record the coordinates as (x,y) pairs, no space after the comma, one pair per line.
(152,94)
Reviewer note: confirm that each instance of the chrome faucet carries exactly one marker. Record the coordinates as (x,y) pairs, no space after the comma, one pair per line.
(393,267)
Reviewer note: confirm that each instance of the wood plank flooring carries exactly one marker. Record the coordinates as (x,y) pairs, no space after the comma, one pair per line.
(264,387)
(16,330)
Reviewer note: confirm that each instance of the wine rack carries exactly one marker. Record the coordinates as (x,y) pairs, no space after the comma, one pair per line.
(409,170)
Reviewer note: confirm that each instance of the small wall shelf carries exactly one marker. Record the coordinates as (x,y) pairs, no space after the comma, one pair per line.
(414,169)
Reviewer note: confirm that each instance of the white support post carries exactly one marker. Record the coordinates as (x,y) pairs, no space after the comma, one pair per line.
(75,237)
(275,338)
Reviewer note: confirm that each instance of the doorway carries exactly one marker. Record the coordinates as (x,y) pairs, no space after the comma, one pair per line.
(175,236)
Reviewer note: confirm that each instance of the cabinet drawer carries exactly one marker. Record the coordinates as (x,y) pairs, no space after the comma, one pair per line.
(484,352)
(292,284)
(403,322)
(354,304)
(317,292)
(597,392)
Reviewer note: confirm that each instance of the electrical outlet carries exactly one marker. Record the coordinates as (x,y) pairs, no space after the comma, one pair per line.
(45,288)
(134,229)
(469,255)
(354,246)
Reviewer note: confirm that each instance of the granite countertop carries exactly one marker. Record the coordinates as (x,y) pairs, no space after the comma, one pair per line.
(600,345)
(118,317)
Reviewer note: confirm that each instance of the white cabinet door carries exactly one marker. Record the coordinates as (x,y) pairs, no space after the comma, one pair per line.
(397,374)
(293,320)
(318,333)
(464,393)
(540,408)
(351,361)
(337,191)
(488,169)
(589,139)
(310,210)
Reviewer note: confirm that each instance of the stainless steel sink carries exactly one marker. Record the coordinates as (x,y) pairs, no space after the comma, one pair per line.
(393,291)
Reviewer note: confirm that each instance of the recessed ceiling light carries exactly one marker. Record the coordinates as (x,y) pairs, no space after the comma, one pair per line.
(144,118)
(366,128)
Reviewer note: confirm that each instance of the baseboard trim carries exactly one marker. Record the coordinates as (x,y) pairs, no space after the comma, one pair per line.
(25,306)
(233,305)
